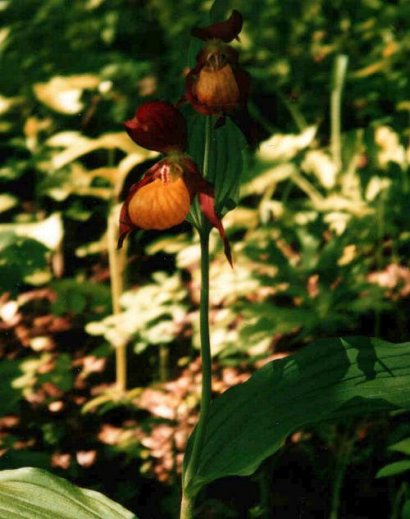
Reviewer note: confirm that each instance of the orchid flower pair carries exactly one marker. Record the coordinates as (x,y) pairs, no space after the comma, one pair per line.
(216,86)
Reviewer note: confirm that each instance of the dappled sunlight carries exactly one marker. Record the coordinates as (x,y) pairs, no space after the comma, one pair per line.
(276,138)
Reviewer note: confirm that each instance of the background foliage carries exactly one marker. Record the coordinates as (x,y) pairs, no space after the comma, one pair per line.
(320,248)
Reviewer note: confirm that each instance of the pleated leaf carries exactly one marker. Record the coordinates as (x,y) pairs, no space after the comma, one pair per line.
(225,165)
(30,493)
(327,380)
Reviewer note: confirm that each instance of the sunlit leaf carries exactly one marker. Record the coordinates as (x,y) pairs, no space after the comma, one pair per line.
(77,146)
(321,165)
(7,202)
(329,379)
(35,493)
(63,94)
(373,68)
(49,232)
(285,147)
(393,469)
(402,446)
(7,103)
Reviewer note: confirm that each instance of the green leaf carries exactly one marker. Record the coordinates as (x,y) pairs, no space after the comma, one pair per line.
(393,469)
(329,379)
(7,202)
(30,493)
(405,513)
(85,297)
(219,9)
(21,258)
(9,395)
(225,165)
(401,446)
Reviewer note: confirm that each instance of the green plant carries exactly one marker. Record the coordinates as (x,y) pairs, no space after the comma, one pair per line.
(319,244)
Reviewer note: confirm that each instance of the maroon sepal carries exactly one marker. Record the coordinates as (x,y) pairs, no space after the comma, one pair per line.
(158,126)
(207,204)
(226,31)
(206,197)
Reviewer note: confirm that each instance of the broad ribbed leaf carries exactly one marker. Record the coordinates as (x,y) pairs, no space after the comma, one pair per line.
(225,164)
(324,381)
(30,493)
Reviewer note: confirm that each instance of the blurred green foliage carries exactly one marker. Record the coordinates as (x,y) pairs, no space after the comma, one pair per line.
(318,250)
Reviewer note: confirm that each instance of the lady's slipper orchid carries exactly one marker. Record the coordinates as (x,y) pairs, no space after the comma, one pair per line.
(158,126)
(162,198)
(217,84)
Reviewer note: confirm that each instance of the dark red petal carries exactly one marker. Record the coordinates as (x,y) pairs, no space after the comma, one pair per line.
(158,126)
(207,203)
(225,31)
(199,186)
(126,226)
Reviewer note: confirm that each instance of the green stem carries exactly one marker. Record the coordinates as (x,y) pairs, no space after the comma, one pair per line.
(187,507)
(206,391)
(116,290)
(163,362)
(207,147)
(339,75)
(399,501)
(189,493)
(342,461)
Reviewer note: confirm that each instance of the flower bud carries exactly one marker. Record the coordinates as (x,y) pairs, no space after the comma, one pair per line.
(158,126)
(217,85)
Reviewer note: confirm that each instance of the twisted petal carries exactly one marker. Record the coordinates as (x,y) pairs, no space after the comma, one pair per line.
(225,31)
(206,198)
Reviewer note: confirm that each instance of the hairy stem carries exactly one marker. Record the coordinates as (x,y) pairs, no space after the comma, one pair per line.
(206,391)
(188,498)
